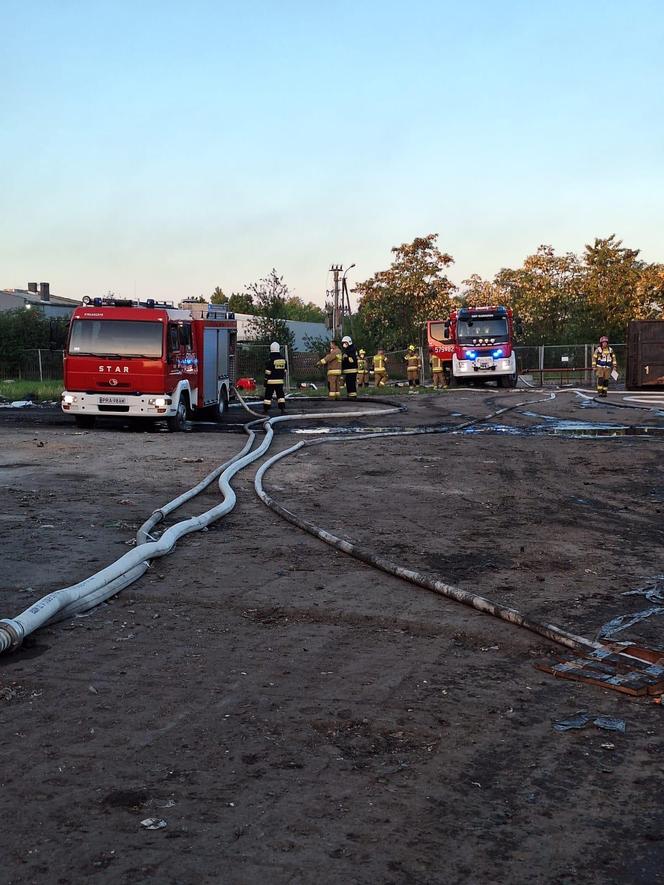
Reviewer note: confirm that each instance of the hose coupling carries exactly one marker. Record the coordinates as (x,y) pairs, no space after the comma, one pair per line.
(11,635)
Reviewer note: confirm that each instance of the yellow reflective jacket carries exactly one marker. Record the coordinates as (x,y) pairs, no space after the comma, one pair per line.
(333,362)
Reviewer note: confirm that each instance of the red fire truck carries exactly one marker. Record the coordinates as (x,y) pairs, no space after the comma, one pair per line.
(475,344)
(148,360)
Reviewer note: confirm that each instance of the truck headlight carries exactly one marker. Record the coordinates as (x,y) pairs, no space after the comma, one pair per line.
(68,399)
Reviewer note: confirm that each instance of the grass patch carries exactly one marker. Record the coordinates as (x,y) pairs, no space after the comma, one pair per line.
(37,391)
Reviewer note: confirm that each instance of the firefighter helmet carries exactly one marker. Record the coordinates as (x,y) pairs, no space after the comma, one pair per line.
(346,339)
(274,347)
(411,347)
(603,339)
(363,353)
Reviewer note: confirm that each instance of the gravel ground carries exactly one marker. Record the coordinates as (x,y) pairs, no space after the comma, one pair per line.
(294,715)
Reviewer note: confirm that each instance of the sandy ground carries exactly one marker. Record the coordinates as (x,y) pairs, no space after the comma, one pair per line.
(296,716)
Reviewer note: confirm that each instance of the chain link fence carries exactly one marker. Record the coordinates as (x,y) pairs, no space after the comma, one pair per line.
(251,359)
(561,365)
(33,365)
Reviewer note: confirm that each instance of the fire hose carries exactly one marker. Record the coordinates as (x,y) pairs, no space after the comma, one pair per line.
(90,592)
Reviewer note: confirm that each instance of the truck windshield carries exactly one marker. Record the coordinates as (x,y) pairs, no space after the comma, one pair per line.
(115,338)
(468,330)
(437,332)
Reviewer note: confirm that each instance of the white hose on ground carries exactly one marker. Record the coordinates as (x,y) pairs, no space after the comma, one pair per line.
(115,577)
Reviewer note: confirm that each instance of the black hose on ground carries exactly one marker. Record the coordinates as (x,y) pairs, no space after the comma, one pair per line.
(358,551)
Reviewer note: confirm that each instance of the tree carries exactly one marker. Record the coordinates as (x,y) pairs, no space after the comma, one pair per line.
(317,345)
(24,329)
(269,297)
(241,302)
(619,287)
(478,292)
(395,303)
(546,293)
(297,310)
(218,296)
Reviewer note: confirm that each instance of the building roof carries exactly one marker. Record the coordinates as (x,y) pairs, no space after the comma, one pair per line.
(301,330)
(23,297)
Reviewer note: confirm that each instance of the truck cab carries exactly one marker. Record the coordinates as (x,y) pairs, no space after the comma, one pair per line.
(148,361)
(478,343)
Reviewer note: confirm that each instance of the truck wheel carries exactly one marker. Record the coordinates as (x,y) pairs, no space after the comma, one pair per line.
(85,422)
(453,382)
(222,406)
(178,422)
(508,380)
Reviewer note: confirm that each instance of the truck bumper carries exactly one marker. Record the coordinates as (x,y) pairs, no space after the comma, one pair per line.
(118,406)
(471,369)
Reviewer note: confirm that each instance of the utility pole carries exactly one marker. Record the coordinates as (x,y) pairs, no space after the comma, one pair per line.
(337,314)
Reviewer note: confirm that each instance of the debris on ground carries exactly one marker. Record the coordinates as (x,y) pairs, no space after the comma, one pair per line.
(154,823)
(581,719)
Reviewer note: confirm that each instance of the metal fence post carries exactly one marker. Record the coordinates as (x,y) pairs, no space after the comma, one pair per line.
(541,364)
(41,370)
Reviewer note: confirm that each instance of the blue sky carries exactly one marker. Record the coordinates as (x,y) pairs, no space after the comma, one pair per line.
(164,148)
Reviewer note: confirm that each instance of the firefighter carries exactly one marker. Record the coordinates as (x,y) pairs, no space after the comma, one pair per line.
(412,359)
(604,362)
(437,372)
(349,366)
(362,369)
(332,360)
(380,368)
(275,374)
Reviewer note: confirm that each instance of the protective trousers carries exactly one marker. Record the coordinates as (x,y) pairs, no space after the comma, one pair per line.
(439,379)
(602,374)
(413,376)
(380,377)
(351,384)
(271,390)
(333,384)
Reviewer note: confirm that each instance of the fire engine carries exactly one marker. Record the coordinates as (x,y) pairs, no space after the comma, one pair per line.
(475,344)
(148,360)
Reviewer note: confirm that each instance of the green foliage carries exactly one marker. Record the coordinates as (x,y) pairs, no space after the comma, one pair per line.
(24,329)
(319,346)
(218,296)
(241,302)
(296,309)
(269,296)
(571,299)
(395,303)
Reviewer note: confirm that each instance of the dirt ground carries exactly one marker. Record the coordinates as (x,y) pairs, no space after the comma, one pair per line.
(296,716)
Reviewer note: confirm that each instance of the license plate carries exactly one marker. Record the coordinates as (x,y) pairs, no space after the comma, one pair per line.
(484,362)
(112,401)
